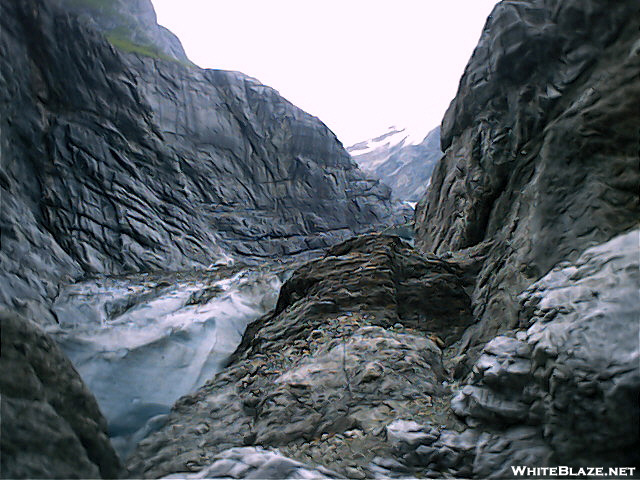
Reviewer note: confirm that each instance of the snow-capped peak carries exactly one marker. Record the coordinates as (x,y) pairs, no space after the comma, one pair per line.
(394,136)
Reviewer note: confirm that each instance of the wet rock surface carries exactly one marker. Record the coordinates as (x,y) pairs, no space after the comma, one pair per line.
(541,148)
(51,424)
(353,344)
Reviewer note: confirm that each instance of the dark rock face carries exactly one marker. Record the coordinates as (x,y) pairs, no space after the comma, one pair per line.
(353,344)
(404,166)
(541,147)
(116,162)
(51,424)
(541,151)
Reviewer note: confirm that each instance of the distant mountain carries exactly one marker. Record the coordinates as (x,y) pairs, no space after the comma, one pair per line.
(401,159)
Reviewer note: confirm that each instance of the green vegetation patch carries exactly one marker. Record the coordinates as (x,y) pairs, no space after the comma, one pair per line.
(119,28)
(126,45)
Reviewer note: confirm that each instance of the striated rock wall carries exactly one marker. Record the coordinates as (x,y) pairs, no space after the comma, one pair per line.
(115,162)
(118,156)
(541,148)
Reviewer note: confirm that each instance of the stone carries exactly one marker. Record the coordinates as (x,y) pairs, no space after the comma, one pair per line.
(258,463)
(51,424)
(497,453)
(404,435)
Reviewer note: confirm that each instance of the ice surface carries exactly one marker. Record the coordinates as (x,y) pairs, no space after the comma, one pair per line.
(140,343)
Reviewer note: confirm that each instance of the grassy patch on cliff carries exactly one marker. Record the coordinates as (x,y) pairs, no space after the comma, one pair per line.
(124,44)
(121,30)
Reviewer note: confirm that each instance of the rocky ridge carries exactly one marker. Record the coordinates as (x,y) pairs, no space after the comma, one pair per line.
(353,343)
(353,372)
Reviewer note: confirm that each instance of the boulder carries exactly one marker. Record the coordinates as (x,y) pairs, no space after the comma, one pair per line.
(51,424)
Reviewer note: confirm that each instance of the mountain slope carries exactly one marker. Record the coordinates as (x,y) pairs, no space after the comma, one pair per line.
(115,161)
(401,160)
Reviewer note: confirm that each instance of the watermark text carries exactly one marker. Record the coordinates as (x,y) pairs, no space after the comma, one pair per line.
(563,471)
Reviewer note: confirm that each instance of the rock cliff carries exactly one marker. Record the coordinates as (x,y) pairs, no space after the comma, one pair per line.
(114,161)
(120,157)
(541,148)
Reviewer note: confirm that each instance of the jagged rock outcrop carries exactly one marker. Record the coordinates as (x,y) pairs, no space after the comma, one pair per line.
(402,162)
(563,389)
(115,161)
(352,345)
(541,148)
(51,424)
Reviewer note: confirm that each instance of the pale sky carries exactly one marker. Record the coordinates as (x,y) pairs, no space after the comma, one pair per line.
(358,65)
